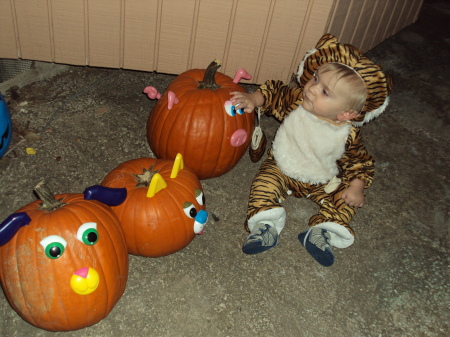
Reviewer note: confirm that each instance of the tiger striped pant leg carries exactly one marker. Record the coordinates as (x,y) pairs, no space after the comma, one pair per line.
(334,215)
(267,192)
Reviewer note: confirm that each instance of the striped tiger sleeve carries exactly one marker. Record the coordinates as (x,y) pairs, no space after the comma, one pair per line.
(356,162)
(279,99)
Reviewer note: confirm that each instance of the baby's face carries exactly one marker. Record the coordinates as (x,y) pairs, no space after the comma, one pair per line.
(325,95)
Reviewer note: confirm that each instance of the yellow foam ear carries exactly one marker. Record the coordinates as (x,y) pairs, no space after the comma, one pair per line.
(178,165)
(156,184)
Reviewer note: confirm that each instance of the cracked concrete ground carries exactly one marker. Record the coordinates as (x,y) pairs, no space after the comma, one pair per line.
(393,281)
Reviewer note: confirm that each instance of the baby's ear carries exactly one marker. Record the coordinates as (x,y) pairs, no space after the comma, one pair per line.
(347,115)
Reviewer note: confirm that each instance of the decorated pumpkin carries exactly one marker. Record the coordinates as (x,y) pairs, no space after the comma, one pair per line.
(5,127)
(165,205)
(195,117)
(63,260)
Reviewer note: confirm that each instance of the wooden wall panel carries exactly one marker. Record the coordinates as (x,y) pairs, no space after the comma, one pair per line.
(383,18)
(213,29)
(266,37)
(69,31)
(175,36)
(313,30)
(374,25)
(284,30)
(348,22)
(33,22)
(413,12)
(409,14)
(394,13)
(366,23)
(8,45)
(247,36)
(140,34)
(104,33)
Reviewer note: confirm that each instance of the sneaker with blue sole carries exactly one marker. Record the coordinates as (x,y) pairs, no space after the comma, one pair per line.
(316,242)
(261,239)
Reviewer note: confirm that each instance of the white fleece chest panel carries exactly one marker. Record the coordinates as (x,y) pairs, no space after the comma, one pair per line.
(306,147)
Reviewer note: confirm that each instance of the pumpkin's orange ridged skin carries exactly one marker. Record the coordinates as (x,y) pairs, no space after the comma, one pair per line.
(38,288)
(198,126)
(155,226)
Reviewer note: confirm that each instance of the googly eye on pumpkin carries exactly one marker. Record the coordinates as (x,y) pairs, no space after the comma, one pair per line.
(199,196)
(88,234)
(231,110)
(54,246)
(189,209)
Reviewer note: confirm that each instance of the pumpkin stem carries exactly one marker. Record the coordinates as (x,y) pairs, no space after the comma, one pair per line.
(208,79)
(143,179)
(49,203)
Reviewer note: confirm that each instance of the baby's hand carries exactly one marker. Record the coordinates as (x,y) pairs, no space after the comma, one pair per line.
(354,195)
(246,102)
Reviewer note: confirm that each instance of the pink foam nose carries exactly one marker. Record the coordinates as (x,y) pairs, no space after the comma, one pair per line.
(82,272)
(238,138)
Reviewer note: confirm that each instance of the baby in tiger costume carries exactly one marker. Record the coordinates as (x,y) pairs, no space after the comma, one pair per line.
(317,152)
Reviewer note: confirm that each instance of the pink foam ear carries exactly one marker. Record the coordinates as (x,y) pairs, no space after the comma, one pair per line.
(241,74)
(152,93)
(171,99)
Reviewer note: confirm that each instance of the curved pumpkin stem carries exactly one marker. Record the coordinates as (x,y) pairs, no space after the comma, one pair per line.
(210,73)
(49,203)
(143,179)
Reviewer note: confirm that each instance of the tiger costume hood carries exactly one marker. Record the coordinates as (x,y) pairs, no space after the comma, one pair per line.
(379,85)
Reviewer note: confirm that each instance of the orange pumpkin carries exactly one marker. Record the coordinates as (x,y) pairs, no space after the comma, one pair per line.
(165,206)
(195,117)
(68,266)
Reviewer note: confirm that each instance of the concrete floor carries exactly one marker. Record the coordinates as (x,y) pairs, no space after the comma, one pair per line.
(392,282)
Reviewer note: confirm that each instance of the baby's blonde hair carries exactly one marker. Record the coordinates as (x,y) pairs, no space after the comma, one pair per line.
(358,94)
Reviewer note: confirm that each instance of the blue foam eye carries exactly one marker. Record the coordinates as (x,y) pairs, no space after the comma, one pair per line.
(229,108)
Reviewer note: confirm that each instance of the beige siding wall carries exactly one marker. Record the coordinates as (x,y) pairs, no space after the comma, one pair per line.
(266,37)
(366,23)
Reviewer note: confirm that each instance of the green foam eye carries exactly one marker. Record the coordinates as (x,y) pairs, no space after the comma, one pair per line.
(54,246)
(54,250)
(88,234)
(90,237)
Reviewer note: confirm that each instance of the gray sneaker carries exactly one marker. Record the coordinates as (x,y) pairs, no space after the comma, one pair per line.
(260,240)
(316,242)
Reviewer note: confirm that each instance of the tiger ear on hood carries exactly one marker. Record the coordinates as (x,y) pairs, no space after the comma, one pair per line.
(326,40)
